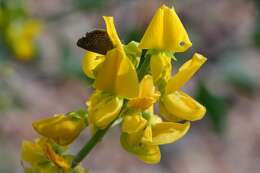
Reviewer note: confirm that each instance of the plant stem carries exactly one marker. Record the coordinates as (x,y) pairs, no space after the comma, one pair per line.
(89,146)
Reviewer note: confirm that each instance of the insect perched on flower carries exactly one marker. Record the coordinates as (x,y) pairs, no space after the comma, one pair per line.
(129,80)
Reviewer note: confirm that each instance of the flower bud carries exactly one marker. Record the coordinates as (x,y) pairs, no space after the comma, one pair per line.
(103,109)
(60,128)
(180,106)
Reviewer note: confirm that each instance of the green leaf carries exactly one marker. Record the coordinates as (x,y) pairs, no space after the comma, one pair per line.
(217,107)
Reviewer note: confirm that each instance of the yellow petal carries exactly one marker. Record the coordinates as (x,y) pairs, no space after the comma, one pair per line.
(111,30)
(103,109)
(145,152)
(182,106)
(147,95)
(166,32)
(55,158)
(147,135)
(32,153)
(90,61)
(117,75)
(133,124)
(186,71)
(153,156)
(154,119)
(60,128)
(166,115)
(160,67)
(147,88)
(168,132)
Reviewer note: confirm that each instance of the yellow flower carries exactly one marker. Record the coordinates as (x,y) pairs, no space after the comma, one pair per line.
(116,74)
(103,108)
(166,32)
(90,62)
(180,106)
(41,151)
(61,128)
(147,153)
(32,153)
(142,137)
(175,105)
(21,37)
(147,95)
(55,158)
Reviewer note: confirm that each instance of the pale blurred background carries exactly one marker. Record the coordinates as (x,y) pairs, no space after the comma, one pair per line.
(226,31)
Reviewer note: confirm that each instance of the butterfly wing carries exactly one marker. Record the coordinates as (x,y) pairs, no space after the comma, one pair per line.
(96,41)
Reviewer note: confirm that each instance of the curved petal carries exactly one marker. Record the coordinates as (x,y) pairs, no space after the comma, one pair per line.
(153,155)
(111,30)
(133,124)
(147,94)
(148,153)
(90,62)
(147,135)
(182,106)
(55,158)
(186,71)
(60,128)
(103,109)
(32,153)
(166,31)
(117,75)
(168,132)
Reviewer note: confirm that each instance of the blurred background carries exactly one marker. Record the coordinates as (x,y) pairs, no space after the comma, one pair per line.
(40,75)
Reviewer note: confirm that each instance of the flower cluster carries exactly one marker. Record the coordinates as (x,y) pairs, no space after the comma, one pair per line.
(48,154)
(129,80)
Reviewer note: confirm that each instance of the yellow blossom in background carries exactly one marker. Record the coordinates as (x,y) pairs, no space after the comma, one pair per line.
(103,108)
(21,38)
(61,128)
(166,32)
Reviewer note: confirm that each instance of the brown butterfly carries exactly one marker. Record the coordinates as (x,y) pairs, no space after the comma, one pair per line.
(96,41)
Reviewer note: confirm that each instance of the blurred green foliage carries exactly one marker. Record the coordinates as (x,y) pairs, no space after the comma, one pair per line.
(257,29)
(133,35)
(217,107)
(88,4)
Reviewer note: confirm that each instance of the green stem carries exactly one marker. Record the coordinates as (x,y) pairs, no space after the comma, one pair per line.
(144,67)
(89,146)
